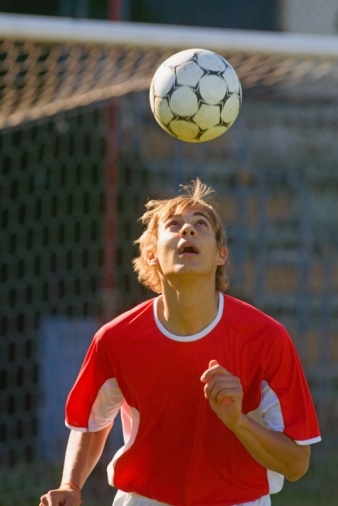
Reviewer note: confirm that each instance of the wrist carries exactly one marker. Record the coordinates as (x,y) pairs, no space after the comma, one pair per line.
(71,485)
(237,425)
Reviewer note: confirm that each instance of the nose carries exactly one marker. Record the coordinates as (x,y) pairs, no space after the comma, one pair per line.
(187,229)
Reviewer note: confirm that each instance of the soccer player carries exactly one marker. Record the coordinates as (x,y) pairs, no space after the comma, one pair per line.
(214,404)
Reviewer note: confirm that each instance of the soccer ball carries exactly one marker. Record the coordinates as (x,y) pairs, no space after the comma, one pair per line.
(195,95)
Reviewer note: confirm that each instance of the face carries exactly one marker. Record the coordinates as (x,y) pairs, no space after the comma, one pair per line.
(186,245)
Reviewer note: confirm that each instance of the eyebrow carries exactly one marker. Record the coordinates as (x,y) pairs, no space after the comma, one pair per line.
(196,213)
(202,214)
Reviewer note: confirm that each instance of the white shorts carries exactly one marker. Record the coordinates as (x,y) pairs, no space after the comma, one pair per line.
(131,499)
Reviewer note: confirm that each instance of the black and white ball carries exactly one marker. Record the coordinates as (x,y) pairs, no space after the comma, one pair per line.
(195,95)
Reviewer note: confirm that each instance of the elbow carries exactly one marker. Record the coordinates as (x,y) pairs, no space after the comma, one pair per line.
(299,466)
(297,475)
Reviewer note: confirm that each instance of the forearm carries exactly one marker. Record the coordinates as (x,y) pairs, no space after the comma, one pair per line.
(273,450)
(83,451)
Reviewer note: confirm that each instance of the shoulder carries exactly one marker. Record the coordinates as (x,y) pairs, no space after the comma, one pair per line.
(268,340)
(244,315)
(256,328)
(126,322)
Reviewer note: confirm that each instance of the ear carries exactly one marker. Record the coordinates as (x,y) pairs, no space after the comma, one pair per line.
(222,256)
(151,258)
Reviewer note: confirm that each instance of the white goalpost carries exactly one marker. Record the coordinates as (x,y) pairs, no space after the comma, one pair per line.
(56,30)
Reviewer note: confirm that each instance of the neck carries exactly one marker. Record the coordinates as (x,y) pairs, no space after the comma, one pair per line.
(187,312)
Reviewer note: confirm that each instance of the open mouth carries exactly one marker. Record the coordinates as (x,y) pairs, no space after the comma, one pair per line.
(188,249)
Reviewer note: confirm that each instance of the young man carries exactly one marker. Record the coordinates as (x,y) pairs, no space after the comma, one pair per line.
(215,407)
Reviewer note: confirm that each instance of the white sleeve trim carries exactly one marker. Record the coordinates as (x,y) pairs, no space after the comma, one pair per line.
(86,429)
(309,441)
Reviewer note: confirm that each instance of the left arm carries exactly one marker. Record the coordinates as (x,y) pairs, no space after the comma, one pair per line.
(273,450)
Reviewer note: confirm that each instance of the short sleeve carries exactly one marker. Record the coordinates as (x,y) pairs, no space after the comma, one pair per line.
(285,377)
(95,398)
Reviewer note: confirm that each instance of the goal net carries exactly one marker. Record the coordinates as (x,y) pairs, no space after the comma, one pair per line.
(51,65)
(80,154)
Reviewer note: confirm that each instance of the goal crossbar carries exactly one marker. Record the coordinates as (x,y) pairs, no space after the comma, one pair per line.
(49,64)
(80,31)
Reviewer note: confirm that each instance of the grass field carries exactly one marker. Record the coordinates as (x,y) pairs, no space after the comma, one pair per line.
(23,485)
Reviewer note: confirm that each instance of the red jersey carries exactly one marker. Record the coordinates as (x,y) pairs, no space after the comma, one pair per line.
(176,449)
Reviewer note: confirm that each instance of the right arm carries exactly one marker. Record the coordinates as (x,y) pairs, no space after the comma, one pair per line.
(83,451)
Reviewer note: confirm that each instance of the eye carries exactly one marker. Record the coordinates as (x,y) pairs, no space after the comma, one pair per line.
(202,221)
(172,223)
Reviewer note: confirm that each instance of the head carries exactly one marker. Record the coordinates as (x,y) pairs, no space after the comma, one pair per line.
(196,194)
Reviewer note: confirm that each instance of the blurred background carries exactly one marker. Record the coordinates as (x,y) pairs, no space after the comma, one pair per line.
(80,154)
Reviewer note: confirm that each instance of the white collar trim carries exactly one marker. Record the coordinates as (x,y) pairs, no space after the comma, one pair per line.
(194,337)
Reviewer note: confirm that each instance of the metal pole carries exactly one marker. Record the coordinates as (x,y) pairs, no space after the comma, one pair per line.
(115,10)
(109,291)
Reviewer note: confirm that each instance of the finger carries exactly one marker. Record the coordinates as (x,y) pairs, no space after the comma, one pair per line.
(230,386)
(219,392)
(60,497)
(221,396)
(43,501)
(214,368)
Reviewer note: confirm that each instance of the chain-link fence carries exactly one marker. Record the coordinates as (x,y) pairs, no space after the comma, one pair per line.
(73,184)
(277,184)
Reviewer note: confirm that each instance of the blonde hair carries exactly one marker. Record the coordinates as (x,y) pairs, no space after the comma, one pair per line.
(197,193)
